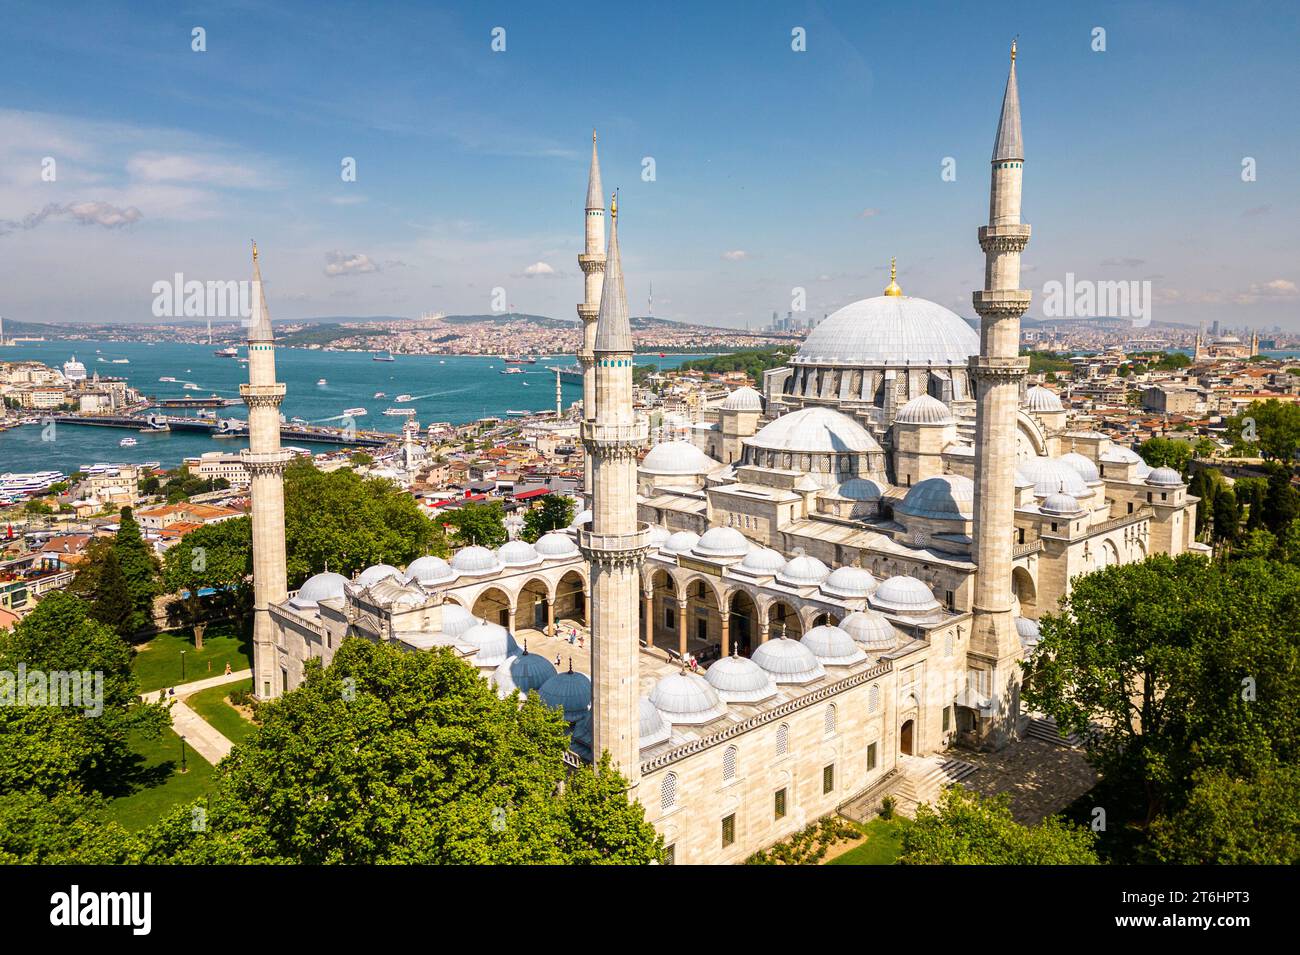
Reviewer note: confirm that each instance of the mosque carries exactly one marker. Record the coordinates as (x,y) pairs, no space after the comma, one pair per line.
(857,553)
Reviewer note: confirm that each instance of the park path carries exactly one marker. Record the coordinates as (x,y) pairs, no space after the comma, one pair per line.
(198,732)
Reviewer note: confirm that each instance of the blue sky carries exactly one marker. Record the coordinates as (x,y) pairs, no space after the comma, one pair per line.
(774,169)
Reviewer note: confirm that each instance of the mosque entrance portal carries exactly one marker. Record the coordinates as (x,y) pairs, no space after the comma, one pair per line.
(905,739)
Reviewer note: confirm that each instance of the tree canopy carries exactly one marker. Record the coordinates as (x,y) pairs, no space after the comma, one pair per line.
(554,513)
(968,829)
(479,522)
(1167,453)
(1269,428)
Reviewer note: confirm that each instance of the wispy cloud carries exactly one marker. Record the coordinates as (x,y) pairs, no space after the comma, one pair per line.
(348,263)
(84,213)
(735,255)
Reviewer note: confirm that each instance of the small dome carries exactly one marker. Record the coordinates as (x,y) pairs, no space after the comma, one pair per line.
(1060,505)
(568,691)
(678,457)
(943,497)
(740,680)
(316,588)
(1165,477)
(860,489)
(788,661)
(517,553)
(502,680)
(1028,632)
(870,630)
(580,738)
(1042,400)
(657,535)
(803,571)
(373,575)
(722,542)
(654,728)
(554,545)
(814,430)
(763,561)
(1087,470)
(584,517)
(429,570)
(905,595)
(832,646)
(475,560)
(680,543)
(493,642)
(849,582)
(687,699)
(1121,455)
(743,398)
(456,619)
(1051,476)
(924,410)
(528,671)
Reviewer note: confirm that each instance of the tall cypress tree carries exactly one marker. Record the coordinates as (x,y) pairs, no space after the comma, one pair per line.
(112,603)
(139,566)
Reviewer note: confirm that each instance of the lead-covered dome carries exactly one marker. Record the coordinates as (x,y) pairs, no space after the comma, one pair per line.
(788,661)
(1042,400)
(570,692)
(803,571)
(686,698)
(740,680)
(1060,505)
(814,430)
(871,630)
(518,553)
(1027,631)
(678,458)
(316,588)
(456,619)
(1165,477)
(924,410)
(1087,470)
(376,573)
(893,330)
(849,583)
(905,595)
(475,560)
(555,545)
(832,646)
(1052,476)
(680,543)
(528,671)
(493,643)
(943,497)
(721,542)
(653,727)
(743,398)
(429,570)
(762,561)
(860,489)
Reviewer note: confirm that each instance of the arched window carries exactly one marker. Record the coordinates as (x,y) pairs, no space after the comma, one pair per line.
(947,645)
(729,764)
(830,720)
(668,793)
(873,699)
(782,739)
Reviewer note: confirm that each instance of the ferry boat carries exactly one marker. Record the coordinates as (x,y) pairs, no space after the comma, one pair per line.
(166,378)
(400,412)
(229,352)
(380,394)
(121,361)
(321,381)
(402,398)
(514,413)
(512,371)
(354,412)
(520,360)
(30,483)
(128,443)
(190,386)
(385,356)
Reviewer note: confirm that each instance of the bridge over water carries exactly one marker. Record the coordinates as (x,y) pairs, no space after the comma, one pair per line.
(225,428)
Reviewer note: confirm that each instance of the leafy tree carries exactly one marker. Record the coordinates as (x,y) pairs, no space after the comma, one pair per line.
(111,603)
(139,565)
(554,513)
(216,556)
(479,522)
(1166,453)
(1281,502)
(1205,448)
(1229,821)
(361,459)
(37,507)
(1271,427)
(391,757)
(1204,485)
(1227,517)
(970,830)
(64,829)
(1252,494)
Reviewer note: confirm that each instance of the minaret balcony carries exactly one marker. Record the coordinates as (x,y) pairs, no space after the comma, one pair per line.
(613,437)
(615,548)
(1001,303)
(1004,238)
(265,462)
(593,262)
(255,395)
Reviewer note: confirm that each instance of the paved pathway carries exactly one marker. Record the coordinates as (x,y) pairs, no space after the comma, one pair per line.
(188,689)
(198,733)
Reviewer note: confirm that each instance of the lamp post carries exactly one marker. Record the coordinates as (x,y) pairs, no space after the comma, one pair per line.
(184,768)
(183,666)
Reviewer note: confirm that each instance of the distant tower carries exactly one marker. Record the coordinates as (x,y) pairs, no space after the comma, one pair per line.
(592,263)
(650,302)
(265,461)
(1254,344)
(1198,353)
(559,397)
(998,370)
(616,542)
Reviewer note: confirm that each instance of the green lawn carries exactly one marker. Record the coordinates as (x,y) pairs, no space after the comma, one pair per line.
(157,663)
(160,784)
(884,842)
(225,719)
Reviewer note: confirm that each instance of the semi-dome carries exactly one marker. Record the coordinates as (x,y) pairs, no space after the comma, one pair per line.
(890,330)
(860,489)
(763,561)
(832,646)
(722,542)
(554,544)
(1052,476)
(657,535)
(493,642)
(683,542)
(583,517)
(1060,505)
(743,398)
(942,497)
(1118,454)
(429,569)
(803,570)
(1027,630)
(316,588)
(739,679)
(1165,477)
(654,728)
(456,619)
(871,630)
(528,671)
(518,553)
(686,698)
(376,573)
(568,691)
(814,430)
(678,457)
(1087,470)
(905,595)
(1042,400)
(849,583)
(924,410)
(475,560)
(788,661)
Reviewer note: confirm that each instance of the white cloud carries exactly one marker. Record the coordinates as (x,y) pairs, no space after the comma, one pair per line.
(178,167)
(348,263)
(735,255)
(538,268)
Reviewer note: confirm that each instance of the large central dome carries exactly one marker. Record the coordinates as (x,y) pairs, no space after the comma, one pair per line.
(890,330)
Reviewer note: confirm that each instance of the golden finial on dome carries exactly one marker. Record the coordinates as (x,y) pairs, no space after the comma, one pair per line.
(1013,49)
(613,206)
(892,288)
(254,241)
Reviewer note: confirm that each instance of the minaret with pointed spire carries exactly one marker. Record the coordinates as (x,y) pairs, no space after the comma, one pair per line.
(592,263)
(998,371)
(616,542)
(265,461)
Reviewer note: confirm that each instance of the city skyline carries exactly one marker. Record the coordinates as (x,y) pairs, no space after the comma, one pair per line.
(804,170)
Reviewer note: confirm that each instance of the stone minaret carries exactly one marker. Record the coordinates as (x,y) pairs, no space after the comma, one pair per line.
(265,462)
(998,371)
(592,263)
(616,542)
